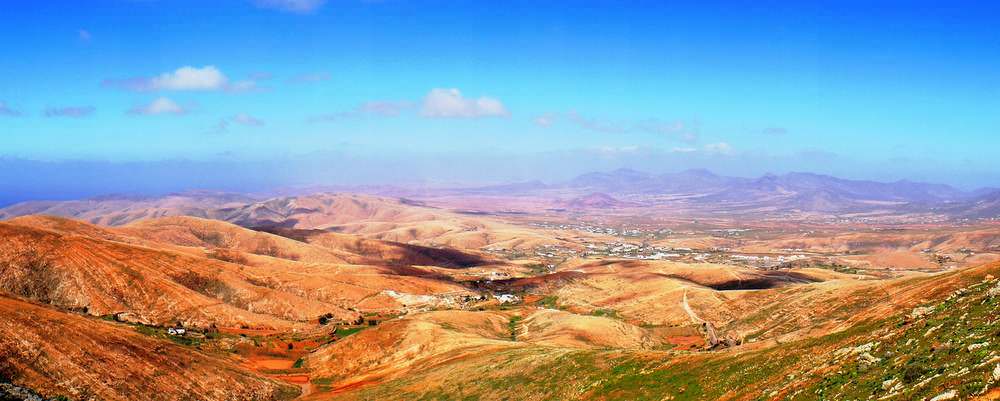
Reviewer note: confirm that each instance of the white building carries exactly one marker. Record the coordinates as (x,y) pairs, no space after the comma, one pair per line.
(506,298)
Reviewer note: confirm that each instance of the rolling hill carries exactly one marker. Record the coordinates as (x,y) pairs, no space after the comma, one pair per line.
(204,272)
(63,354)
(935,343)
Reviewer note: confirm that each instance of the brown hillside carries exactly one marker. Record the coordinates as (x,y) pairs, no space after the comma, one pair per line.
(64,354)
(155,286)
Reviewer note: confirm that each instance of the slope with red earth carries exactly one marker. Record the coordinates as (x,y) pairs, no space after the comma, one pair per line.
(59,353)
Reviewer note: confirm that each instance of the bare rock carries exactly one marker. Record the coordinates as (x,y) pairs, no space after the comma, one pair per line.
(947,395)
(920,312)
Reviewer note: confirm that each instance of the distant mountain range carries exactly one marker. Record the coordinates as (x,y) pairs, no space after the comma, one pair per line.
(702,181)
(792,191)
(798,191)
(697,190)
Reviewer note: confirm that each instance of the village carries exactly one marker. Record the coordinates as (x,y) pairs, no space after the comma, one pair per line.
(553,255)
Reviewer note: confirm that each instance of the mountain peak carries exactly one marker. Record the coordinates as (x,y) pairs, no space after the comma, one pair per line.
(699,172)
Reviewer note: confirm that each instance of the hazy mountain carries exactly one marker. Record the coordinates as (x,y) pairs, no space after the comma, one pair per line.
(617,188)
(983,205)
(595,200)
(802,191)
(620,180)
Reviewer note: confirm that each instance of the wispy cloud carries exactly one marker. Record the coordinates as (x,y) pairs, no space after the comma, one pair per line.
(84,35)
(617,150)
(680,130)
(439,103)
(310,77)
(720,148)
(239,119)
(221,127)
(293,6)
(684,131)
(160,105)
(186,78)
(594,124)
(378,108)
(243,86)
(69,111)
(449,103)
(545,120)
(248,120)
(385,108)
(7,111)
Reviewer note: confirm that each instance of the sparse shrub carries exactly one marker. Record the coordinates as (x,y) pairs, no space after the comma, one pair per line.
(914,371)
(210,286)
(28,273)
(606,313)
(267,247)
(213,238)
(228,255)
(266,282)
(550,301)
(512,326)
(7,371)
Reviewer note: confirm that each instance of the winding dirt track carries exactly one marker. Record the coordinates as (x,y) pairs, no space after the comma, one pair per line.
(690,312)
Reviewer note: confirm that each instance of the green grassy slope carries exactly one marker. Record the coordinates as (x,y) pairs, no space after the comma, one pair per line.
(947,348)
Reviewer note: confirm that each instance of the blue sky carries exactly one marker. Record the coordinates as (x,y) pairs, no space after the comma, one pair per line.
(880,90)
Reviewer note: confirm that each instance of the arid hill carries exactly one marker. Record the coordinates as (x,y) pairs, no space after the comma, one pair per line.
(63,354)
(367,216)
(117,210)
(360,297)
(205,272)
(951,323)
(595,200)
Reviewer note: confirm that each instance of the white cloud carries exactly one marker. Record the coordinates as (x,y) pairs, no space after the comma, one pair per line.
(6,110)
(187,78)
(295,6)
(449,103)
(160,105)
(246,119)
(720,148)
(84,35)
(190,78)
